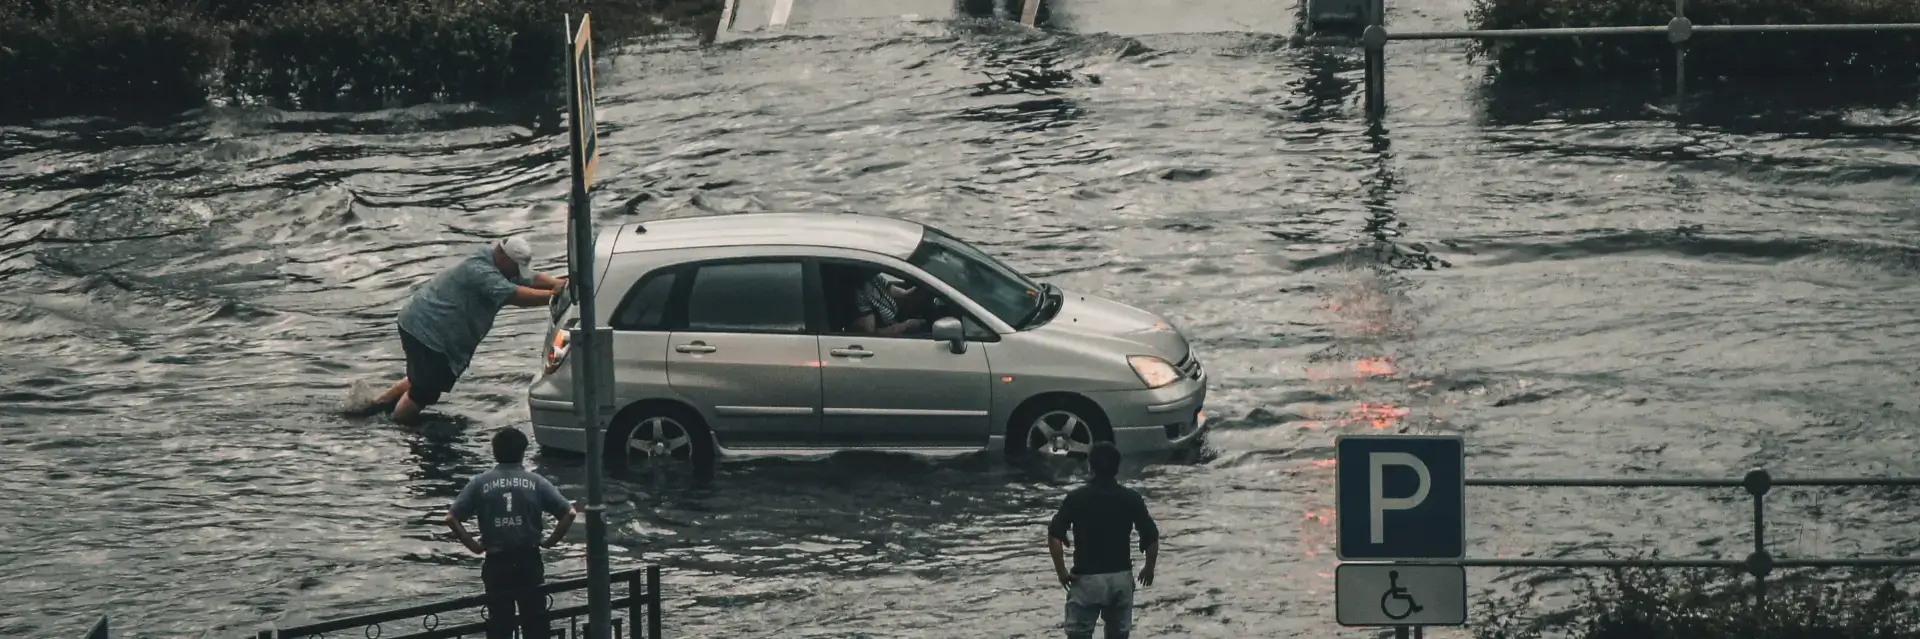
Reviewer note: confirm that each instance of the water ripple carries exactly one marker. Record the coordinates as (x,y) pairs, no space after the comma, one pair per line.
(1580,286)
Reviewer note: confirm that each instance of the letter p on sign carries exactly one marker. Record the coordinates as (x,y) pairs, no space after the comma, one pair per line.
(1378,503)
(1400,497)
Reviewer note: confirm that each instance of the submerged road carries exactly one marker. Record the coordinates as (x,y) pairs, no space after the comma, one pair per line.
(1578,287)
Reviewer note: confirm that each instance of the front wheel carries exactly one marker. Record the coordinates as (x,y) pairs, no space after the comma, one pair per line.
(664,439)
(1058,428)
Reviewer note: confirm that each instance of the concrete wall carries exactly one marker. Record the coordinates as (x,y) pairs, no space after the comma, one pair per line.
(1120,17)
(1144,17)
(752,15)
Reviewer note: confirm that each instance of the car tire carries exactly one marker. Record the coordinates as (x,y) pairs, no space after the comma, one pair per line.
(1078,419)
(641,433)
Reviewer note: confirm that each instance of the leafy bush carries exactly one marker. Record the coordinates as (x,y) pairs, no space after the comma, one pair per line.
(93,56)
(1704,604)
(397,50)
(98,55)
(1709,55)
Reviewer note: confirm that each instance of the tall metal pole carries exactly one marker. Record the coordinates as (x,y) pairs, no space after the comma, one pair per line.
(586,349)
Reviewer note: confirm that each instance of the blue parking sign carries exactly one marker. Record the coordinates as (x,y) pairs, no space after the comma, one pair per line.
(1400,497)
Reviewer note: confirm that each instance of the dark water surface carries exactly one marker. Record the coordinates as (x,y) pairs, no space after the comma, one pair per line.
(1578,285)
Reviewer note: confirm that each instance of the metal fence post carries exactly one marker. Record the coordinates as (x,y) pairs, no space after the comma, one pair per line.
(654,600)
(1678,32)
(1375,40)
(1760,564)
(635,599)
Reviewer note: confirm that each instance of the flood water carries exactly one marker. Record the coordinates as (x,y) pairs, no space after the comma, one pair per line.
(1579,285)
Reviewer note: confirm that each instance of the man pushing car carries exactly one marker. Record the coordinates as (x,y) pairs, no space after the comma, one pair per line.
(444,322)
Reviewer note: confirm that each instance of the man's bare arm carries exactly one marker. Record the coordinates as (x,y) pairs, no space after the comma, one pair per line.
(560,529)
(460,532)
(1149,542)
(529,297)
(1058,549)
(549,282)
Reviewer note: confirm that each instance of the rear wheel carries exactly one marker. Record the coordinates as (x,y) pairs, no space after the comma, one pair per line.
(662,438)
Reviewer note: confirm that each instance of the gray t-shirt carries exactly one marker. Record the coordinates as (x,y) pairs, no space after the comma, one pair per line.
(508,500)
(452,312)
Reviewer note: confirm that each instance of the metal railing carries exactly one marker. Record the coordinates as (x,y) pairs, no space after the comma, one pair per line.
(1759,562)
(1678,31)
(641,601)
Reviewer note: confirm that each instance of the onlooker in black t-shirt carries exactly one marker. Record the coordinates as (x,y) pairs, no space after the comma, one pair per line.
(1102,516)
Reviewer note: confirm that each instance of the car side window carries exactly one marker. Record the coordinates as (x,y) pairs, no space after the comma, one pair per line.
(750,297)
(843,304)
(646,307)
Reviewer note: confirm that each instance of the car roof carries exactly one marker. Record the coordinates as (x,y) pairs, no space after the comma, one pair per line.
(884,235)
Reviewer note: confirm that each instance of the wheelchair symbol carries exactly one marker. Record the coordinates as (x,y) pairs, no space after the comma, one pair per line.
(1397,592)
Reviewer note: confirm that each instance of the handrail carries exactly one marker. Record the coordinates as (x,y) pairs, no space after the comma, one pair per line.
(639,594)
(1581,32)
(1678,31)
(1759,562)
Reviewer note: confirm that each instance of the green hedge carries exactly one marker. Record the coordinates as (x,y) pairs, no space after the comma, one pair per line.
(1709,55)
(1709,604)
(104,56)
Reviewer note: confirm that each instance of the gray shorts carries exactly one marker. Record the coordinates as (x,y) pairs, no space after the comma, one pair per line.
(1105,596)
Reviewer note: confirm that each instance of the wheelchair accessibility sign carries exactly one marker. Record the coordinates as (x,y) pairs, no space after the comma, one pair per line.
(1400,595)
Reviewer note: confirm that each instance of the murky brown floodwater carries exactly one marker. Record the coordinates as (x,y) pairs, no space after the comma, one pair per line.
(182,304)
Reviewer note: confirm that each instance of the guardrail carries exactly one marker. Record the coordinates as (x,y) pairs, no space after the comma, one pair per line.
(1759,562)
(1678,31)
(640,594)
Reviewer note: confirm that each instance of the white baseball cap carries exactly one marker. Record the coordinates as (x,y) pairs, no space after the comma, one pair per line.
(519,251)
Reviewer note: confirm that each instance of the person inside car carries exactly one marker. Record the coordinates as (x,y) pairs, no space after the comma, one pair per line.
(879,307)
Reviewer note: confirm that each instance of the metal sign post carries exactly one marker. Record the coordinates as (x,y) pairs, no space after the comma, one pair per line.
(585,157)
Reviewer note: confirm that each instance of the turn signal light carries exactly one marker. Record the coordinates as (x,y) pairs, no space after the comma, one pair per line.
(557,350)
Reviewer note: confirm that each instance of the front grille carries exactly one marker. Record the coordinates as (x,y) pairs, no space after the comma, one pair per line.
(1189,367)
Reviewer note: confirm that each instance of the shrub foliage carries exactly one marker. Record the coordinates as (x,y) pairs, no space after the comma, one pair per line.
(93,56)
(1703,604)
(1709,55)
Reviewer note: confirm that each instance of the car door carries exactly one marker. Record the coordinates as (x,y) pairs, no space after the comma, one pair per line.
(744,351)
(902,392)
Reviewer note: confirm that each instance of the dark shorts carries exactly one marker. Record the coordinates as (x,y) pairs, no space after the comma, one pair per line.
(513,572)
(428,372)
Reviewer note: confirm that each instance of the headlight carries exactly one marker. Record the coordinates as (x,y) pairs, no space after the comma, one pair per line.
(1154,371)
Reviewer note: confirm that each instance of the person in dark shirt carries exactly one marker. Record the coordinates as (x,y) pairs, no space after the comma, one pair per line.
(508,501)
(1102,515)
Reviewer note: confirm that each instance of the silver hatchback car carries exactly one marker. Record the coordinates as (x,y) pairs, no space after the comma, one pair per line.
(733,335)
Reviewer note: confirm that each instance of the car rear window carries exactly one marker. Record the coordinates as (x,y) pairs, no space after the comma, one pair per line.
(753,297)
(558,308)
(645,308)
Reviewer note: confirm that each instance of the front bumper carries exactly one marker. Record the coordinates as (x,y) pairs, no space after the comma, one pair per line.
(1161,419)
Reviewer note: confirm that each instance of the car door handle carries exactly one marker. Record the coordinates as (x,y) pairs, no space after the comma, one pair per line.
(851,352)
(696,347)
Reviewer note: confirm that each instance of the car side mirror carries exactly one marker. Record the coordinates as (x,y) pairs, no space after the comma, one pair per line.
(949,330)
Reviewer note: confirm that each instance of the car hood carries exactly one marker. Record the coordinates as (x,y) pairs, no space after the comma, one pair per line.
(1103,320)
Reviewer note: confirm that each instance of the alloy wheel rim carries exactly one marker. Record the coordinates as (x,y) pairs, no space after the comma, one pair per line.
(1060,433)
(660,440)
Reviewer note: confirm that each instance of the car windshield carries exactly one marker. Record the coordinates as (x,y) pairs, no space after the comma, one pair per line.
(1004,292)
